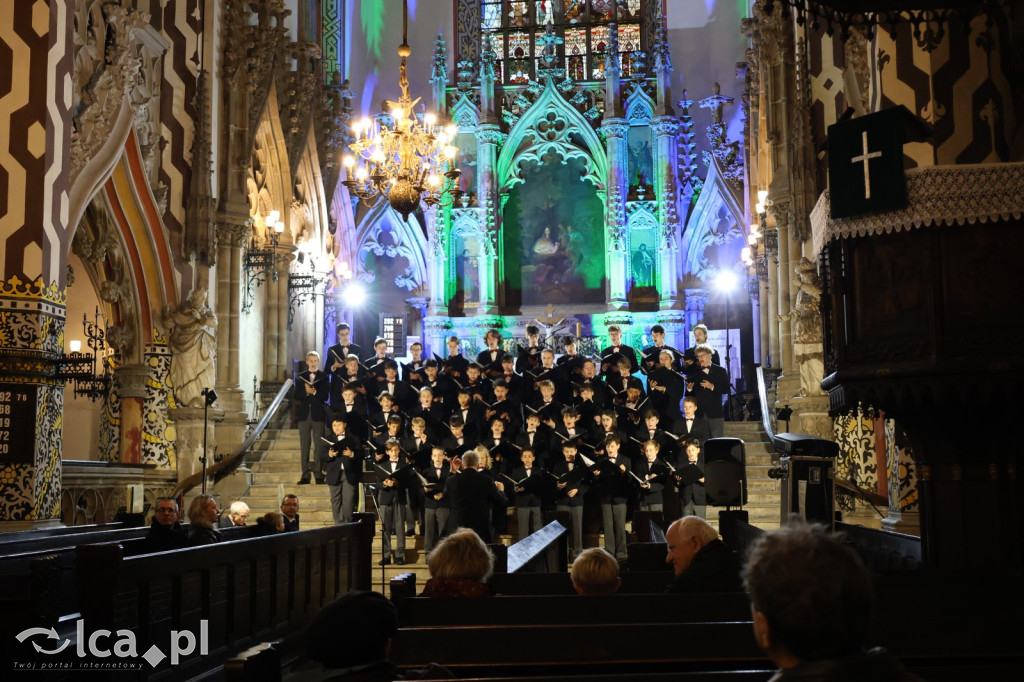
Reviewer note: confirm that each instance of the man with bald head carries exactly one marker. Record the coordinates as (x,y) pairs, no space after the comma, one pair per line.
(702,562)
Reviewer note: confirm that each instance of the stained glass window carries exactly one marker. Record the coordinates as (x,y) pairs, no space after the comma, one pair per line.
(582,24)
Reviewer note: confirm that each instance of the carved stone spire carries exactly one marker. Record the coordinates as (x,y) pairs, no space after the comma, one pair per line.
(548,67)
(612,74)
(200,222)
(487,78)
(439,76)
(663,69)
(726,152)
(689,182)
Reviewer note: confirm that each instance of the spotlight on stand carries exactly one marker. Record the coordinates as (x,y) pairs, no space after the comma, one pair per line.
(726,282)
(354,295)
(209,397)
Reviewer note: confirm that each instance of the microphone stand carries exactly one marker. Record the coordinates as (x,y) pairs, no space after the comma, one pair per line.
(372,487)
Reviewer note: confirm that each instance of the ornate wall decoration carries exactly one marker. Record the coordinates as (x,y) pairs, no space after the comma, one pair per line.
(158,432)
(36,129)
(109,446)
(855,434)
(725,152)
(182,27)
(468,26)
(902,474)
(808,350)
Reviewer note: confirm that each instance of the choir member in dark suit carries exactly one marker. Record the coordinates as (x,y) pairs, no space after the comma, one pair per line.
(436,505)
(457,441)
(375,364)
(490,359)
(651,354)
(477,386)
(529,355)
(614,484)
(655,474)
(505,409)
(611,355)
(708,384)
(689,476)
(455,364)
(472,415)
(692,425)
(572,483)
(337,353)
(443,388)
(402,392)
(432,412)
(311,393)
(393,475)
(352,404)
(537,437)
(700,335)
(412,371)
(667,443)
(343,469)
(529,481)
(665,388)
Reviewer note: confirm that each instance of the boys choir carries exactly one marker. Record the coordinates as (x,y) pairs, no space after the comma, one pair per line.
(551,428)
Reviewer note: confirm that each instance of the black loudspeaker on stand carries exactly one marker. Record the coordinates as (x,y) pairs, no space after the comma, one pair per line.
(725,472)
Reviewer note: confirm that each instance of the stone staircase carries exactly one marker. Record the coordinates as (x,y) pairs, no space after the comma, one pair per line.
(275,471)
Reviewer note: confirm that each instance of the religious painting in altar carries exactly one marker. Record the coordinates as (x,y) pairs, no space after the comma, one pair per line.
(643,268)
(641,162)
(466,263)
(467,160)
(553,237)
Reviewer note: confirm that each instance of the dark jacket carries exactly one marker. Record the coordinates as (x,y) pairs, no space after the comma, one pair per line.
(709,400)
(877,665)
(713,569)
(197,535)
(471,494)
(291,526)
(339,468)
(312,404)
(165,538)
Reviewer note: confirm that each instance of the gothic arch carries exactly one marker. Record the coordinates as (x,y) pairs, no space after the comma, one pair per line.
(717,219)
(269,184)
(552,128)
(406,240)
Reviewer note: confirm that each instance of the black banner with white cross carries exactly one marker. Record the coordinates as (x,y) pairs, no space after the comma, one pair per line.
(865,163)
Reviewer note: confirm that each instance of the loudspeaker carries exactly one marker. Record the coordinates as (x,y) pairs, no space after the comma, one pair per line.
(725,472)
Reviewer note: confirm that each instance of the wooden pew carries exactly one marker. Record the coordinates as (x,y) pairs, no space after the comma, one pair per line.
(580,649)
(37,584)
(245,591)
(883,550)
(419,612)
(633,582)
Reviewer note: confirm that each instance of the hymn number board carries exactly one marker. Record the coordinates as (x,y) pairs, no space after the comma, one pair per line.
(392,330)
(17,424)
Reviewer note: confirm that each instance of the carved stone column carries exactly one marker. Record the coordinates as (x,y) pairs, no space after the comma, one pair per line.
(696,299)
(37,125)
(437,263)
(231,236)
(489,137)
(789,381)
(665,161)
(614,130)
(189,423)
(131,380)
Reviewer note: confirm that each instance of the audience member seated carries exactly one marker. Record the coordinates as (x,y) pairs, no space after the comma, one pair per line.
(459,566)
(358,653)
(595,572)
(812,602)
(290,511)
(270,523)
(203,515)
(165,532)
(702,562)
(238,515)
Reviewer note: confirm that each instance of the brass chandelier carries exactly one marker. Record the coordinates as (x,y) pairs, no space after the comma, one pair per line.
(400,155)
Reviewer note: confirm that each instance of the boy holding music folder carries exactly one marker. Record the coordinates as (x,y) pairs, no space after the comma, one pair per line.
(528,481)
(572,480)
(393,475)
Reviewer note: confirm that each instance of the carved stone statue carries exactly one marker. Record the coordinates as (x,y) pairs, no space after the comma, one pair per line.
(192,329)
(807,332)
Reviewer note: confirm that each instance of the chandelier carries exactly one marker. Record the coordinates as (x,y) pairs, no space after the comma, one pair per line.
(400,155)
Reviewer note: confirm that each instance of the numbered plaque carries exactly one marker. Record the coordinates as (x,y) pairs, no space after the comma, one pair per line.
(17,424)
(392,330)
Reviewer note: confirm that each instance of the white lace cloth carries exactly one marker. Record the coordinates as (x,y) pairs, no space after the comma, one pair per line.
(938,195)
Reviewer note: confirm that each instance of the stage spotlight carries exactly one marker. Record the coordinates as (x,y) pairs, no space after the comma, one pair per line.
(354,295)
(726,281)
